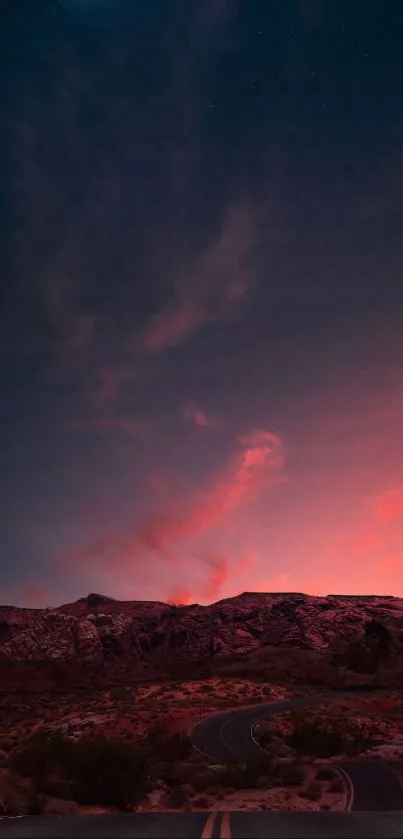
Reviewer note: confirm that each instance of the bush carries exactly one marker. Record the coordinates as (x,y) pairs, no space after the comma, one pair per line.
(325,774)
(289,774)
(312,791)
(17,801)
(109,773)
(314,738)
(176,797)
(252,773)
(337,785)
(165,745)
(202,801)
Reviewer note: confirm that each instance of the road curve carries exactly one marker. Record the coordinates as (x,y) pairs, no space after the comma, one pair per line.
(225,736)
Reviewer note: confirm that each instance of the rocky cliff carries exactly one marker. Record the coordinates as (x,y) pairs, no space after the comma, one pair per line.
(98,629)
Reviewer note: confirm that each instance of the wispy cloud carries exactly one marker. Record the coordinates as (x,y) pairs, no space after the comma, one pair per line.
(194,414)
(257,466)
(104,388)
(213,286)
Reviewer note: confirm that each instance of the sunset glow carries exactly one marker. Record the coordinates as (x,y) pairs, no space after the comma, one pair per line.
(202,338)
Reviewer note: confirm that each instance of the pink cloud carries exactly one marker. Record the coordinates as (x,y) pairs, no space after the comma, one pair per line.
(180,596)
(256,468)
(191,412)
(216,282)
(217,577)
(104,390)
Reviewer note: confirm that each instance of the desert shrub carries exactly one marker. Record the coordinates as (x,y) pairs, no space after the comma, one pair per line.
(165,745)
(288,774)
(92,771)
(202,801)
(337,784)
(17,801)
(41,754)
(119,693)
(176,797)
(324,774)
(54,786)
(310,738)
(312,791)
(203,782)
(241,775)
(108,772)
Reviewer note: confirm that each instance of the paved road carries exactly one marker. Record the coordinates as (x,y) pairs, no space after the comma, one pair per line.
(373,786)
(228,735)
(313,825)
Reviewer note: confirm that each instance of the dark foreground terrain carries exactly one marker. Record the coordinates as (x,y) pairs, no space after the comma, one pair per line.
(199,826)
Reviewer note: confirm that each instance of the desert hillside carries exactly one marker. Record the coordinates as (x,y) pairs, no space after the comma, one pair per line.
(312,638)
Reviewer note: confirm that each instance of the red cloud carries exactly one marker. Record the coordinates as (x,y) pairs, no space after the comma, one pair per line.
(191,412)
(216,282)
(181,596)
(218,575)
(257,467)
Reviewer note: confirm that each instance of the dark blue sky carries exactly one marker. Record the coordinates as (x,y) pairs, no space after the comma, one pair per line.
(201,243)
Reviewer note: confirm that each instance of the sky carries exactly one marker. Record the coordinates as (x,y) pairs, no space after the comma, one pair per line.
(201,361)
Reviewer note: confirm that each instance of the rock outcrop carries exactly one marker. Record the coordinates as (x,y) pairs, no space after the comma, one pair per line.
(360,633)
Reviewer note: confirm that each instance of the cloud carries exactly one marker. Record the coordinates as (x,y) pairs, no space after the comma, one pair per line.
(257,467)
(180,596)
(222,569)
(103,391)
(215,284)
(173,538)
(191,412)
(217,577)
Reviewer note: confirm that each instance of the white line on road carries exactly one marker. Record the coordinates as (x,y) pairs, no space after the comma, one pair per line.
(349,783)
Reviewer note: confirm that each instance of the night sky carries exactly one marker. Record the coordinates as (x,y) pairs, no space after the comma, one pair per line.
(201,249)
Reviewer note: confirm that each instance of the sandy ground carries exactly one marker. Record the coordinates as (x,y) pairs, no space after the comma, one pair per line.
(126,711)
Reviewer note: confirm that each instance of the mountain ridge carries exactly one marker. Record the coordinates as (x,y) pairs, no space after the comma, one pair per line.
(251,628)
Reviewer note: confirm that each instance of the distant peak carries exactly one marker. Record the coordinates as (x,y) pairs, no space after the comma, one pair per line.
(94,599)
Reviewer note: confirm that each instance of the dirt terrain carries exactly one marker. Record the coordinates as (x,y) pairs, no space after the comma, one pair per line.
(97,699)
(133,715)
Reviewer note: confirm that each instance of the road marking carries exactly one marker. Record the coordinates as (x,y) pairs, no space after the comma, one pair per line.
(396,773)
(349,784)
(207,831)
(225,832)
